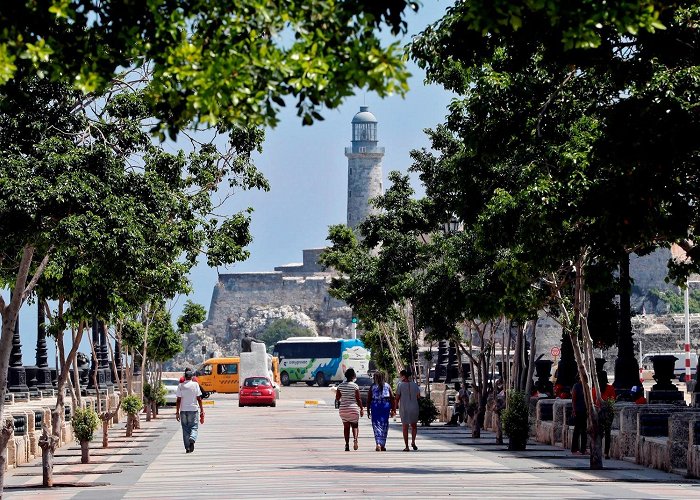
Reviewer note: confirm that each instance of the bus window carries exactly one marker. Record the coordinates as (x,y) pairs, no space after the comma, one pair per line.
(205,370)
(227,369)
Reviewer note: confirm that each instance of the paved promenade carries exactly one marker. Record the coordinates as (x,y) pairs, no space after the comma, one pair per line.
(296,452)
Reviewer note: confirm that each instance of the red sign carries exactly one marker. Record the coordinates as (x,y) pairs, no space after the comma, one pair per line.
(555,351)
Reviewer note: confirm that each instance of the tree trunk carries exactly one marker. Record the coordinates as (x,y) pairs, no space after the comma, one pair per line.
(76,373)
(148,410)
(595,432)
(6,434)
(531,364)
(94,375)
(57,415)
(85,452)
(129,425)
(106,417)
(47,443)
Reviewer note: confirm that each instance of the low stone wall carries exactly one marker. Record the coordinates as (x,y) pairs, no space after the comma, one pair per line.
(665,437)
(21,449)
(544,420)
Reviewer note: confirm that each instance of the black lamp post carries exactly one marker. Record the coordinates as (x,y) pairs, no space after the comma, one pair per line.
(16,375)
(626,365)
(96,375)
(43,373)
(103,354)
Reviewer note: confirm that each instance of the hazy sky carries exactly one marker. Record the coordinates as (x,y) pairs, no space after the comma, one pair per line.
(307,171)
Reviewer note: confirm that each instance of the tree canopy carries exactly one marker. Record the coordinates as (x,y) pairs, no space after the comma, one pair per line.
(211,62)
(281,329)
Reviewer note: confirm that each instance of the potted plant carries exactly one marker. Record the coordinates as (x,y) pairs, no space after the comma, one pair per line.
(516,423)
(427,412)
(132,406)
(84,422)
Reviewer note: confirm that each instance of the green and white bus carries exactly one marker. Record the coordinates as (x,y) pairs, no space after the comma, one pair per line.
(319,360)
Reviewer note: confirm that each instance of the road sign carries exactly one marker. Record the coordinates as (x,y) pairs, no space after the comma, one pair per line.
(354,320)
(555,351)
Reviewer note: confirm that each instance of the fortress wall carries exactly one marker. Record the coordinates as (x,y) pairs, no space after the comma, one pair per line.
(235,294)
(650,270)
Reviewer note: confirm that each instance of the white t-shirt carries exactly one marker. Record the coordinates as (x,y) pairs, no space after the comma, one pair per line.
(188,392)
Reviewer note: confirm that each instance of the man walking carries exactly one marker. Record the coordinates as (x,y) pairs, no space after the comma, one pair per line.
(407,395)
(189,401)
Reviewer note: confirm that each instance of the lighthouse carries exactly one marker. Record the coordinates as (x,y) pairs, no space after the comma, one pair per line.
(364,167)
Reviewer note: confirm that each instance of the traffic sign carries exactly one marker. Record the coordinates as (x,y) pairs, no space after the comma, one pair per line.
(354,320)
(555,351)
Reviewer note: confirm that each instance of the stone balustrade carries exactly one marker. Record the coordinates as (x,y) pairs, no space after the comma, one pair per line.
(665,437)
(24,445)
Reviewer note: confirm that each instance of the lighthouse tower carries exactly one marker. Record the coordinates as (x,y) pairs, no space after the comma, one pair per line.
(364,167)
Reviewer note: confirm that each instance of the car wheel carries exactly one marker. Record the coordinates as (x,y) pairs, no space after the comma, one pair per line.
(310,383)
(205,394)
(284,378)
(274,403)
(240,405)
(321,379)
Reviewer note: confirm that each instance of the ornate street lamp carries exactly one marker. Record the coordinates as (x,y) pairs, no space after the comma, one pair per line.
(451,226)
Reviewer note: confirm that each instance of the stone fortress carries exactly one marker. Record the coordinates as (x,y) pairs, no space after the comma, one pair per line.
(247,303)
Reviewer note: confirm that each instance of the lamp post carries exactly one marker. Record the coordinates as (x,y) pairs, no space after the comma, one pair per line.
(447,366)
(451,226)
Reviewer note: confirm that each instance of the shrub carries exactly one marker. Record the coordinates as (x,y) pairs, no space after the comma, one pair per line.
(516,423)
(132,404)
(84,422)
(427,412)
(607,413)
(155,393)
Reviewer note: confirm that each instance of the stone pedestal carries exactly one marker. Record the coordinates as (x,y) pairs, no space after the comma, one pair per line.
(256,363)
(543,371)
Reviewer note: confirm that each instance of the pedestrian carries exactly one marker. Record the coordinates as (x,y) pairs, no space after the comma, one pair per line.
(580,414)
(498,407)
(637,395)
(606,415)
(187,406)
(461,402)
(350,407)
(407,396)
(380,406)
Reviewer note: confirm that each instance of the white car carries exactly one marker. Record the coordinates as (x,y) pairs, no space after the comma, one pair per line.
(170,385)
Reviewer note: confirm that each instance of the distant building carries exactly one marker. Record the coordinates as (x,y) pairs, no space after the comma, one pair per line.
(249,302)
(364,167)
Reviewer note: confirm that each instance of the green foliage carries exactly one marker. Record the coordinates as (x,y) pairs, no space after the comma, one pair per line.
(119,233)
(607,413)
(84,422)
(132,404)
(427,411)
(214,62)
(676,300)
(132,333)
(515,417)
(155,393)
(163,341)
(281,329)
(192,314)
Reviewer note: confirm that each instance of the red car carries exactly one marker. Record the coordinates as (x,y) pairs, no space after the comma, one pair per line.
(257,391)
